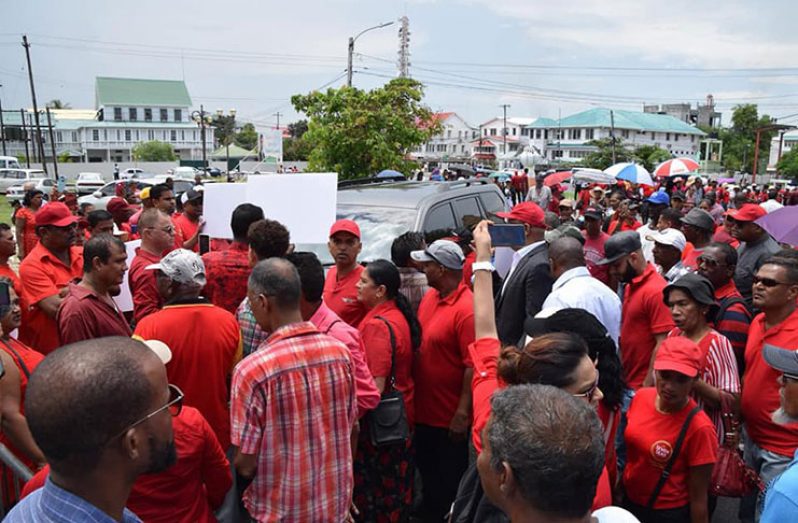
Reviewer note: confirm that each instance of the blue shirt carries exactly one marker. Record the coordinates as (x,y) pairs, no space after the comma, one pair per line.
(781,501)
(52,504)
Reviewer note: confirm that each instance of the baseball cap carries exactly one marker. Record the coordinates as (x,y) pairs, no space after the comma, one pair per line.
(160,349)
(443,252)
(681,355)
(699,218)
(527,212)
(594,211)
(567,202)
(345,226)
(190,195)
(659,198)
(619,245)
(183,266)
(697,286)
(747,213)
(116,205)
(781,359)
(144,194)
(678,195)
(670,237)
(56,214)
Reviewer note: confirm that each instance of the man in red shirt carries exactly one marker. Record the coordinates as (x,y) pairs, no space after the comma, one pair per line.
(442,375)
(340,288)
(99,222)
(595,239)
(88,310)
(227,271)
(769,447)
(157,235)
(205,340)
(45,273)
(190,220)
(163,199)
(121,211)
(7,249)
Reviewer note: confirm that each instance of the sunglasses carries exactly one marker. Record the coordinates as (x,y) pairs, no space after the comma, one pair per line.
(174,405)
(591,392)
(769,282)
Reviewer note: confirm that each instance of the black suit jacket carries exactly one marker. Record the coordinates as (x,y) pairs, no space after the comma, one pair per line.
(527,288)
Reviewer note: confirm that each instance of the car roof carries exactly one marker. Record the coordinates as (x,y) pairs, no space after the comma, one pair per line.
(407,194)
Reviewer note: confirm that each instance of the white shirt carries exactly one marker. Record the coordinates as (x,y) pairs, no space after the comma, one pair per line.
(517,256)
(614,515)
(577,289)
(648,245)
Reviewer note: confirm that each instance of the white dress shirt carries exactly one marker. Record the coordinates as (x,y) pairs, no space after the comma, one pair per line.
(517,256)
(577,289)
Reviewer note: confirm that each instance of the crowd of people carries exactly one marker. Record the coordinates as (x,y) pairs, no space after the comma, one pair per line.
(637,342)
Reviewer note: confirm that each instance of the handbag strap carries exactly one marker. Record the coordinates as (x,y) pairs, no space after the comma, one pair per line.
(393,349)
(669,466)
(18,358)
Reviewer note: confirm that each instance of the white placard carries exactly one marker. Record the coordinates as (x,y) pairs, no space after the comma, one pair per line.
(304,203)
(125,300)
(219,202)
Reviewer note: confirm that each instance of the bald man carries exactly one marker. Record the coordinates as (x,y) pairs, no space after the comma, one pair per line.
(100,411)
(575,288)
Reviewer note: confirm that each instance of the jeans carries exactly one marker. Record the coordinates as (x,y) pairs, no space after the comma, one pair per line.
(769,466)
(620,444)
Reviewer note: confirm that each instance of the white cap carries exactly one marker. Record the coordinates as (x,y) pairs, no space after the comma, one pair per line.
(671,237)
(183,266)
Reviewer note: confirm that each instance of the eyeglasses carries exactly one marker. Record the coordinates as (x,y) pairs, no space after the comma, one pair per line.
(589,393)
(174,405)
(769,282)
(169,229)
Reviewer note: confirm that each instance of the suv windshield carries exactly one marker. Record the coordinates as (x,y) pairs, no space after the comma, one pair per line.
(378,228)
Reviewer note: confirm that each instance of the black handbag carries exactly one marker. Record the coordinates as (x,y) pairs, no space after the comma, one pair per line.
(388,421)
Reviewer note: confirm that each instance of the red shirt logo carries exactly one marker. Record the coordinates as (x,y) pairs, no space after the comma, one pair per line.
(661,450)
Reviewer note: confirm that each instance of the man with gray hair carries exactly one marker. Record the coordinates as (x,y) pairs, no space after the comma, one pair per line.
(205,339)
(293,409)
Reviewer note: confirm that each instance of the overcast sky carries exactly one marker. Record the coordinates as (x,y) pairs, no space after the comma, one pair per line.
(543,58)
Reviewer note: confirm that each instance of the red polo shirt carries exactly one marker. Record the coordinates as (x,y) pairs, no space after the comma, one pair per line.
(141,281)
(644,315)
(447,329)
(187,229)
(179,239)
(44,275)
(761,391)
(341,295)
(227,273)
(83,315)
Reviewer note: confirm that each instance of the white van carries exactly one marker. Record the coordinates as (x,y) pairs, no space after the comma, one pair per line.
(9,162)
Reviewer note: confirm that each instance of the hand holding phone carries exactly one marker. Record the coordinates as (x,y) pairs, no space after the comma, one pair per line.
(506,234)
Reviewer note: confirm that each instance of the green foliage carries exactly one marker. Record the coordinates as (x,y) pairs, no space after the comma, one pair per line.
(788,165)
(358,133)
(296,150)
(64,157)
(649,156)
(602,158)
(298,129)
(224,128)
(153,151)
(247,137)
(739,140)
(22,158)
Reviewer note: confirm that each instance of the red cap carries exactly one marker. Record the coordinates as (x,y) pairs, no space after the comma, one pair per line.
(681,355)
(747,213)
(527,212)
(345,226)
(116,205)
(56,214)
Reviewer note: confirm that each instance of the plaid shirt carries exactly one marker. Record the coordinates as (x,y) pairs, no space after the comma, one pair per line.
(414,286)
(252,336)
(293,406)
(227,273)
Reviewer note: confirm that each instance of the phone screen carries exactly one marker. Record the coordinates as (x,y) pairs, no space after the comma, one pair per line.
(506,234)
(204,243)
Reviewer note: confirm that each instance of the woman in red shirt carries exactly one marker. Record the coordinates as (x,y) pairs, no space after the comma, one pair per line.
(19,362)
(656,417)
(26,222)
(391,334)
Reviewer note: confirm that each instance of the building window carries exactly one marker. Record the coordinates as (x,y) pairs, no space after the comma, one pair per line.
(95,135)
(132,114)
(178,115)
(118,114)
(173,135)
(150,135)
(105,135)
(667,137)
(127,135)
(514,131)
(194,135)
(557,154)
(653,135)
(58,136)
(449,133)
(182,136)
(625,133)
(118,135)
(462,148)
(138,136)
(493,131)
(164,115)
(692,138)
(74,136)
(675,137)
(589,134)
(147,115)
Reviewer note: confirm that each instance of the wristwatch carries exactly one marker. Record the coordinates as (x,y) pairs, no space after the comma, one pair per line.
(483,266)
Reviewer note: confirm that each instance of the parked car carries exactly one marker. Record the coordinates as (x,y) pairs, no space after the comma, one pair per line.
(17,192)
(213,172)
(387,209)
(132,173)
(185,172)
(101,197)
(9,177)
(9,162)
(87,183)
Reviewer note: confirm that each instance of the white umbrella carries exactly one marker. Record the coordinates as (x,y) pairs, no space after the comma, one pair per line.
(630,172)
(592,176)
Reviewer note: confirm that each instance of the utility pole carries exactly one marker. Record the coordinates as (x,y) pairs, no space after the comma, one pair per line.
(278,115)
(504,129)
(612,134)
(2,127)
(52,142)
(33,147)
(25,136)
(351,50)
(404,48)
(26,45)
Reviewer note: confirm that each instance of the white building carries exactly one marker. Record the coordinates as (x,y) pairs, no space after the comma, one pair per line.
(516,128)
(567,139)
(452,144)
(784,144)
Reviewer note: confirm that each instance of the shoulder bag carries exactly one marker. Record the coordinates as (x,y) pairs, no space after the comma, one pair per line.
(388,421)
(731,477)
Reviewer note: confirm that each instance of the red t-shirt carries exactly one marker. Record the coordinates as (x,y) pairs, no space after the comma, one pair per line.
(468,268)
(8,272)
(187,229)
(377,341)
(206,344)
(447,329)
(44,275)
(179,239)
(650,439)
(141,281)
(594,252)
(644,315)
(761,390)
(341,295)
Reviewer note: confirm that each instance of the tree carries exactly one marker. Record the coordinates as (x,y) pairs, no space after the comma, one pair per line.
(153,151)
(739,141)
(296,150)
(224,128)
(298,129)
(602,158)
(247,137)
(788,165)
(64,157)
(58,104)
(358,133)
(649,156)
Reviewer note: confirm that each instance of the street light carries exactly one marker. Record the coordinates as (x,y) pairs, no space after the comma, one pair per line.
(352,49)
(203,120)
(232,115)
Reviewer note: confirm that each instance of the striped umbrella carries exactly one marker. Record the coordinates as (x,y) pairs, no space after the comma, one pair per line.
(631,172)
(676,166)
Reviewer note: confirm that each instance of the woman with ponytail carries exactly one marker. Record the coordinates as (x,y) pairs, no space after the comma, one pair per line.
(384,475)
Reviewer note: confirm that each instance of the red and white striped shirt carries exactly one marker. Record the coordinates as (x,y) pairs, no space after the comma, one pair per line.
(720,372)
(293,406)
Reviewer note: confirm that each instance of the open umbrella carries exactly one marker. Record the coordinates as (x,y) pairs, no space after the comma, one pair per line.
(782,224)
(676,166)
(501,176)
(557,178)
(592,176)
(389,173)
(631,172)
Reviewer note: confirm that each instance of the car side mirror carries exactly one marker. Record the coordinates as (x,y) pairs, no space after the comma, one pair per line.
(97,194)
